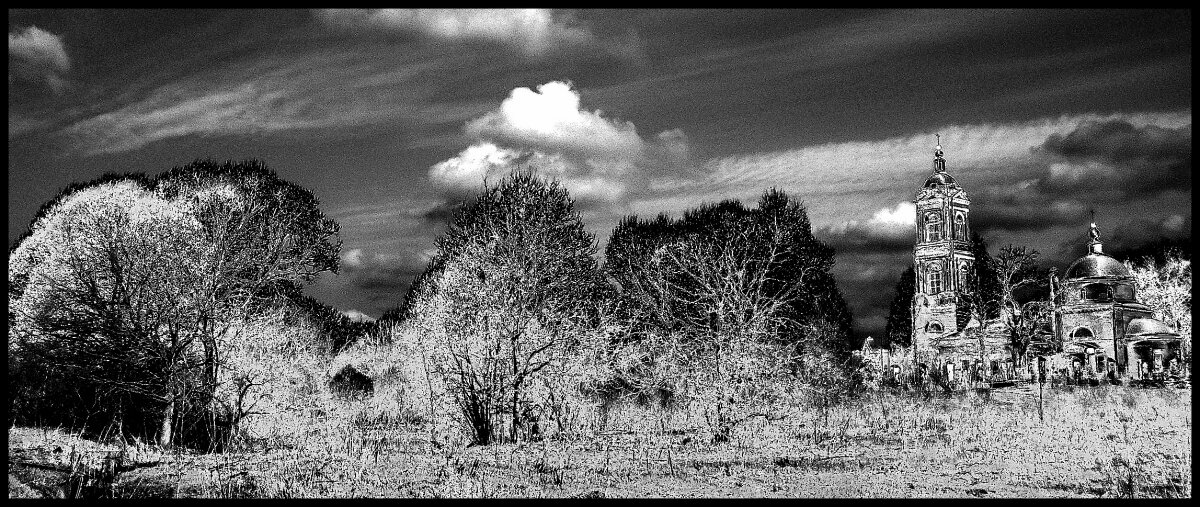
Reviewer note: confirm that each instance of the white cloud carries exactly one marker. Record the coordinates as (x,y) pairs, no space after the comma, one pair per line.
(595,157)
(887,223)
(353,258)
(551,120)
(535,32)
(1173,223)
(358,316)
(39,55)
(472,166)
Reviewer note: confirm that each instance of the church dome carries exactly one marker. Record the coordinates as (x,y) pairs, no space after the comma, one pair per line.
(1148,327)
(939,178)
(1095,265)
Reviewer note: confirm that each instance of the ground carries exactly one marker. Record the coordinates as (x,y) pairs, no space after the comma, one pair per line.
(1098,442)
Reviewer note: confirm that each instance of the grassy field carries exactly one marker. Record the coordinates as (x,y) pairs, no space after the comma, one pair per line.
(1096,442)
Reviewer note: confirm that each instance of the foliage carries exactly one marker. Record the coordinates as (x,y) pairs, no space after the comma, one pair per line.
(132,283)
(898,330)
(1166,287)
(730,295)
(513,279)
(1016,266)
(773,244)
(104,289)
(982,296)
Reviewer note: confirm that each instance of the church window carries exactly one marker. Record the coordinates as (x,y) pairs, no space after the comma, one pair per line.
(932,232)
(1082,333)
(935,282)
(1125,292)
(934,327)
(960,226)
(1095,292)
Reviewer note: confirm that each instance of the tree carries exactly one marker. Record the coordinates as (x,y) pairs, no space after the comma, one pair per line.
(163,266)
(103,289)
(981,296)
(1166,287)
(739,292)
(899,329)
(514,276)
(1015,266)
(775,238)
(263,238)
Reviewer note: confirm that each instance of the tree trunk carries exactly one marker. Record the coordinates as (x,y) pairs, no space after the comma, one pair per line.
(164,435)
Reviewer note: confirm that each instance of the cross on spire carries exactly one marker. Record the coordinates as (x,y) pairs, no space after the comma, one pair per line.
(939,163)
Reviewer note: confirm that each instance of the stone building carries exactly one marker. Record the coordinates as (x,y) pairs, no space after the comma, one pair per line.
(1104,331)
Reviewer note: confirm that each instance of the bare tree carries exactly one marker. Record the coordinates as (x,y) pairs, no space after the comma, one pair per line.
(726,307)
(1167,288)
(514,278)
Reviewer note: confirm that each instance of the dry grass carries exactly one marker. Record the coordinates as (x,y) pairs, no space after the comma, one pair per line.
(1109,442)
(310,442)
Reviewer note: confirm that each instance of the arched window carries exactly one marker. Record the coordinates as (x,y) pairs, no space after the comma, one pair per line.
(960,226)
(933,227)
(1125,292)
(934,327)
(1082,333)
(935,282)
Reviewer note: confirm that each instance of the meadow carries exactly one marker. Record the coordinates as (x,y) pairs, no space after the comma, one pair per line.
(1089,442)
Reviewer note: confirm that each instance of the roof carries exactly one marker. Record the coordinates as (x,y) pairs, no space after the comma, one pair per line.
(939,178)
(1148,327)
(1095,265)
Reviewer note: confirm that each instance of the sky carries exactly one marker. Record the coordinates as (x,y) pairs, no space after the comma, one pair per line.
(393,117)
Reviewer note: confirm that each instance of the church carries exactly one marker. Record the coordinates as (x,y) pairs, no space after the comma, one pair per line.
(1106,334)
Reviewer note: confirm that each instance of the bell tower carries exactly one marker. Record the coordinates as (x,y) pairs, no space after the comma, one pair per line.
(942,256)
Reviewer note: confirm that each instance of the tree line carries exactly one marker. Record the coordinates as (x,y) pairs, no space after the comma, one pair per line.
(125,293)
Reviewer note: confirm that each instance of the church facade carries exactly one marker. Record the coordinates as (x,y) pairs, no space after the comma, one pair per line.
(1105,333)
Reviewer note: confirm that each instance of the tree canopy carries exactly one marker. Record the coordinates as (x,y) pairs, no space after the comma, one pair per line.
(129,281)
(772,243)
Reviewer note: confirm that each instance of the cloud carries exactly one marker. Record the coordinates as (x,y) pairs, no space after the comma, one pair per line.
(596,158)
(328,89)
(889,229)
(37,55)
(551,119)
(383,276)
(1116,154)
(534,32)
(846,181)
(358,316)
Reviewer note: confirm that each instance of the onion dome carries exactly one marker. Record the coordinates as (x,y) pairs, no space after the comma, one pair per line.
(939,176)
(1148,327)
(939,179)
(1095,264)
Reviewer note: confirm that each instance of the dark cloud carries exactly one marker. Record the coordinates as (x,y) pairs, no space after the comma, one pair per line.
(868,281)
(1098,163)
(1137,237)
(441,213)
(860,238)
(1037,213)
(1118,157)
(382,278)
